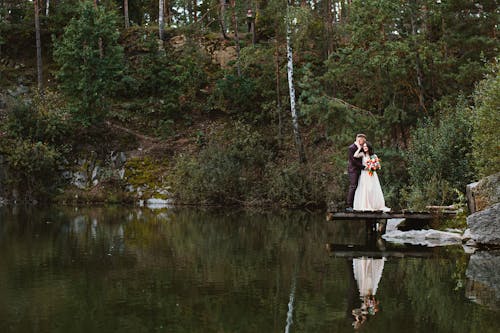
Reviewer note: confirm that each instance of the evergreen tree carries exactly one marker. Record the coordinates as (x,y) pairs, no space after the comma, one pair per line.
(86,76)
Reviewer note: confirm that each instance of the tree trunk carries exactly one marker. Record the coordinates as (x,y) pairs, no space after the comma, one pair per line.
(418,63)
(291,88)
(161,22)
(278,94)
(289,314)
(47,5)
(38,47)
(236,37)
(125,13)
(222,18)
(101,48)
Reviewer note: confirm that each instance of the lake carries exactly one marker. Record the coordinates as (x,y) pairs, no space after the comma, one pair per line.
(120,269)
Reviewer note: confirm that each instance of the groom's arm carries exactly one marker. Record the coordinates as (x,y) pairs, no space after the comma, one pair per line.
(356,162)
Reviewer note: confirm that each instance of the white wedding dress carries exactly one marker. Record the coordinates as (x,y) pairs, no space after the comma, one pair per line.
(367,272)
(368,195)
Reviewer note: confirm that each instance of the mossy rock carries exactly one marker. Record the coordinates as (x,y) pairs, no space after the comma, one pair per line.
(484,193)
(149,175)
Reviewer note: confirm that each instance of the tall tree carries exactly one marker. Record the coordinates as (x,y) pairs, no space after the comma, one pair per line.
(125,13)
(88,75)
(222,18)
(161,21)
(236,37)
(38,46)
(291,87)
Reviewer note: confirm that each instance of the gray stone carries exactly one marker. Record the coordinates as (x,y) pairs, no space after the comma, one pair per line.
(467,235)
(79,180)
(483,275)
(485,226)
(430,238)
(484,193)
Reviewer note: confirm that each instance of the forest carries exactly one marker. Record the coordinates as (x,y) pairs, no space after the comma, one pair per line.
(247,103)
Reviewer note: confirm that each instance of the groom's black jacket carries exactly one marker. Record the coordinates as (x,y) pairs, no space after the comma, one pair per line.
(355,164)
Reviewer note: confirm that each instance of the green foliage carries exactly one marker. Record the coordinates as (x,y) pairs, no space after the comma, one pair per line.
(257,84)
(174,80)
(36,141)
(341,121)
(32,169)
(439,159)
(486,149)
(227,171)
(90,62)
(45,120)
(295,185)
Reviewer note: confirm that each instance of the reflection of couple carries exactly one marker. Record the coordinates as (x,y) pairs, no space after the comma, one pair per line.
(365,193)
(367,272)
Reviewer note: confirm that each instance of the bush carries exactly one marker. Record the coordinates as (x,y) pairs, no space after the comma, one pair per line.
(44,120)
(295,185)
(486,124)
(439,159)
(227,171)
(32,169)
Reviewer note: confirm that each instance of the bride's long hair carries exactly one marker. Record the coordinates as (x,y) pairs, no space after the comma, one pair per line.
(370,148)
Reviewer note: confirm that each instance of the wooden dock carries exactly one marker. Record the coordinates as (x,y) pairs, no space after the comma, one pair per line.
(404,214)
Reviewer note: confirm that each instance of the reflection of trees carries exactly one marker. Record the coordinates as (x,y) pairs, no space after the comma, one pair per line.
(434,298)
(116,269)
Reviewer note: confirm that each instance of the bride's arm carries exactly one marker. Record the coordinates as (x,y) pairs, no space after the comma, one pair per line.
(358,153)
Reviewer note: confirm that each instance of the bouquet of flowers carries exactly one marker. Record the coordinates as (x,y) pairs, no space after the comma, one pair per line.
(373,164)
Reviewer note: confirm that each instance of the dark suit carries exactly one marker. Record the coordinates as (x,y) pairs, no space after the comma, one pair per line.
(354,170)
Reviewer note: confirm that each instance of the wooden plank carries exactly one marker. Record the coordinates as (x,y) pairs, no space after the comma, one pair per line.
(372,251)
(360,215)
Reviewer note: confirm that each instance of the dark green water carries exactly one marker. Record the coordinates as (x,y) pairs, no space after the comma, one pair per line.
(117,269)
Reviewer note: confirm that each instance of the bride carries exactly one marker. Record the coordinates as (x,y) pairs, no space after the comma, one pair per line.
(368,195)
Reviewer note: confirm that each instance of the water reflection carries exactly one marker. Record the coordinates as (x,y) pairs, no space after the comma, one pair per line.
(185,270)
(367,272)
(483,279)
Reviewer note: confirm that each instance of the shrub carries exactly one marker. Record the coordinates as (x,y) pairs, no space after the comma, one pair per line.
(227,171)
(32,169)
(438,159)
(486,124)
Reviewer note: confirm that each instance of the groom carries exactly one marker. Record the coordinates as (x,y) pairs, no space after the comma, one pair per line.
(354,169)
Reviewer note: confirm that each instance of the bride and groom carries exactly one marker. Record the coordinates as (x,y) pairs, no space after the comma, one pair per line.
(365,193)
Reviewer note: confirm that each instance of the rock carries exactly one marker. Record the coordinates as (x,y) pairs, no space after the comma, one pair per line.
(178,41)
(485,226)
(155,203)
(469,249)
(392,224)
(483,275)
(429,237)
(79,180)
(467,235)
(3,104)
(484,193)
(224,56)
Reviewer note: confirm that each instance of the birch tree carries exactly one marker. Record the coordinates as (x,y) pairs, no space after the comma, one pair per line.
(161,21)
(291,88)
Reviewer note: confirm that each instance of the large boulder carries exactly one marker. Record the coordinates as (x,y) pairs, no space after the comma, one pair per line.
(483,278)
(484,193)
(485,226)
